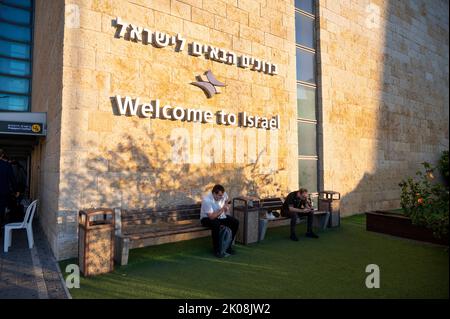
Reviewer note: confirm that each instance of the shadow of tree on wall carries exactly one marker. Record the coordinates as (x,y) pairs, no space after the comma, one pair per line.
(132,175)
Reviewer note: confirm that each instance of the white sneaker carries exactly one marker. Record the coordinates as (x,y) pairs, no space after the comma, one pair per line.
(270,216)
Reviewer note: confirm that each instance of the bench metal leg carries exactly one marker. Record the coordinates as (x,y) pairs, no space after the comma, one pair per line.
(122,248)
(321,220)
(327,218)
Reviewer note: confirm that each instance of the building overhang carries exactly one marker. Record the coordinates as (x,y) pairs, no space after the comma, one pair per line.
(23,123)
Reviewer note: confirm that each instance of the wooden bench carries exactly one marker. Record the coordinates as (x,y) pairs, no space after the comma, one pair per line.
(276,204)
(148,227)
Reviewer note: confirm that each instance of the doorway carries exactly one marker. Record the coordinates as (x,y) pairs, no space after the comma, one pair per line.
(18,149)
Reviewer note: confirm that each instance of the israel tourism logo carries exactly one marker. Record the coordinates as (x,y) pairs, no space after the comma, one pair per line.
(209,86)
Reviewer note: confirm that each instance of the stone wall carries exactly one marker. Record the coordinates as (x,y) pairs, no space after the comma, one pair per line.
(383,92)
(47,97)
(125,161)
(384,95)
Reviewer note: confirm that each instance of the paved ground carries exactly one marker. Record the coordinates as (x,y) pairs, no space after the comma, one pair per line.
(29,273)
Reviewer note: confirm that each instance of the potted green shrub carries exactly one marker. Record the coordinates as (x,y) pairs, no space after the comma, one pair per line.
(425,200)
(425,205)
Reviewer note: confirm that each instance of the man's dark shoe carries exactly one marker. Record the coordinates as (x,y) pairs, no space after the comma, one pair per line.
(311,235)
(294,237)
(231,251)
(218,255)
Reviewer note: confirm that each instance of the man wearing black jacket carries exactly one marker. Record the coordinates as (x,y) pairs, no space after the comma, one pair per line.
(7,184)
(298,204)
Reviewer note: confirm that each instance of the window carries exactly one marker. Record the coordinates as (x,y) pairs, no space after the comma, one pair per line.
(306,102)
(307,139)
(306,69)
(304,30)
(307,175)
(306,94)
(305,5)
(16,19)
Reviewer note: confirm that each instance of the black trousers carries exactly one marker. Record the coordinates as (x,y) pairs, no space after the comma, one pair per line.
(3,205)
(214,224)
(309,226)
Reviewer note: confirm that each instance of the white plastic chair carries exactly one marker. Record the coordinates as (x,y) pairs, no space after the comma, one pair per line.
(26,224)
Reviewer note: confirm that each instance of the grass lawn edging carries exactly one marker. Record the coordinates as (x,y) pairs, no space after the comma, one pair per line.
(400,225)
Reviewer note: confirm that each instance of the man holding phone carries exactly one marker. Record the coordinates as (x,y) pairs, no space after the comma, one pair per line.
(213,214)
(298,204)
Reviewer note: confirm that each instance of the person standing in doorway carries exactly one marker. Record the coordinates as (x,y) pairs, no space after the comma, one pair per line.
(7,184)
(213,214)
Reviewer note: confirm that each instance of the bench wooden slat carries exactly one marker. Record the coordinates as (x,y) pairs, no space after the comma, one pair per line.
(158,228)
(143,235)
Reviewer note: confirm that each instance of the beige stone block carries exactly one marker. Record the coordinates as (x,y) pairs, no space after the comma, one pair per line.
(167,23)
(108,25)
(161,5)
(203,17)
(217,7)
(261,92)
(103,6)
(242,45)
(278,28)
(238,15)
(196,31)
(226,26)
(262,51)
(274,5)
(77,98)
(194,3)
(259,23)
(123,65)
(180,9)
(159,72)
(233,3)
(251,6)
(251,34)
(274,41)
(221,39)
(87,39)
(90,20)
(100,121)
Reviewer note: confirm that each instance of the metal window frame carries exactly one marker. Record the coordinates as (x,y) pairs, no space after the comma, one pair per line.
(313,18)
(313,52)
(20,25)
(315,86)
(312,15)
(18,6)
(31,25)
(309,85)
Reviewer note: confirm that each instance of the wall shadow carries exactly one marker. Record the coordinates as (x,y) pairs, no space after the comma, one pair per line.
(412,124)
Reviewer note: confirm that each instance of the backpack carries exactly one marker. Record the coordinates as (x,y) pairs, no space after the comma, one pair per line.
(225,238)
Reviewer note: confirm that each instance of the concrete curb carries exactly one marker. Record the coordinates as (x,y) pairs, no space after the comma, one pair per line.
(63,282)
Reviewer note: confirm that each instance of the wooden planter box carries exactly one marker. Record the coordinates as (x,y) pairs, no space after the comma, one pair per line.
(401,226)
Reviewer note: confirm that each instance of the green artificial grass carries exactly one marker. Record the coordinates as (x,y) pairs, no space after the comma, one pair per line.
(332,266)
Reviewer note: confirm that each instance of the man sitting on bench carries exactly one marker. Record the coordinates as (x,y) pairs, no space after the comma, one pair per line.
(213,214)
(298,204)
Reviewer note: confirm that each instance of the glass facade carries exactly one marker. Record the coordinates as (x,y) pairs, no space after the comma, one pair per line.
(16,36)
(306,94)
